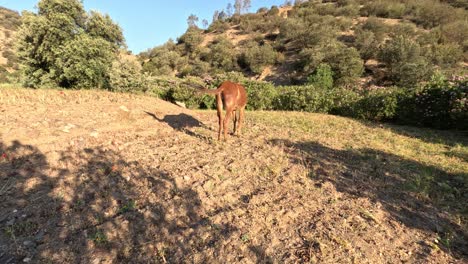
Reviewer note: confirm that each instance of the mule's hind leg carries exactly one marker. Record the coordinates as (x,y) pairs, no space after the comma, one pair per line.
(241,120)
(219,109)
(236,121)
(226,122)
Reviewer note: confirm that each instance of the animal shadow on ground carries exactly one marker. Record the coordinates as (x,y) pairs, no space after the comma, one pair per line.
(395,182)
(92,204)
(181,122)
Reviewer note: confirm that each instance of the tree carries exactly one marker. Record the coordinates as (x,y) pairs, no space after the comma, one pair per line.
(238,6)
(403,59)
(192,21)
(229,10)
(99,25)
(257,57)
(191,40)
(215,16)
(125,74)
(62,45)
(246,5)
(85,62)
(222,15)
(222,55)
(205,23)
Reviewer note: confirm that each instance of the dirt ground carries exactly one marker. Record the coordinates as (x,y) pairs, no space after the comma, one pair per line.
(95,177)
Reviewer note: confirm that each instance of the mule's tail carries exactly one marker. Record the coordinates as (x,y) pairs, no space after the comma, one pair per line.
(209,91)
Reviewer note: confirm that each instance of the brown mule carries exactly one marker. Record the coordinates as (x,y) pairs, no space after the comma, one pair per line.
(233,97)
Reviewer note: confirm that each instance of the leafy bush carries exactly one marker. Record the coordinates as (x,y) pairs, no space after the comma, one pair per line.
(445,54)
(322,77)
(222,55)
(377,105)
(404,61)
(387,9)
(429,13)
(376,26)
(261,95)
(256,57)
(274,11)
(304,98)
(218,26)
(191,39)
(125,75)
(440,104)
(366,43)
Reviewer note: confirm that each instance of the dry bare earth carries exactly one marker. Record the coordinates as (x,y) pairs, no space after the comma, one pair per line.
(96,177)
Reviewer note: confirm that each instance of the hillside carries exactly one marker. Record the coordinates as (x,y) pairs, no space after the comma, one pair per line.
(360,40)
(99,177)
(9,23)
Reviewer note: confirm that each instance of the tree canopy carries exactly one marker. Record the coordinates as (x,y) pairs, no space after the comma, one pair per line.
(63,45)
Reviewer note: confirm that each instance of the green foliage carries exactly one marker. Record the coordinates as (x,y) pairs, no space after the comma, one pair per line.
(218,26)
(429,13)
(366,43)
(9,19)
(125,75)
(163,60)
(445,55)
(387,9)
(345,62)
(257,57)
(308,32)
(375,26)
(222,55)
(84,62)
(62,46)
(322,77)
(99,25)
(456,32)
(191,39)
(440,104)
(376,105)
(274,11)
(260,95)
(196,67)
(404,61)
(305,98)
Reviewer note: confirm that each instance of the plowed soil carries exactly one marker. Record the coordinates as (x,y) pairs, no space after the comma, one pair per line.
(96,177)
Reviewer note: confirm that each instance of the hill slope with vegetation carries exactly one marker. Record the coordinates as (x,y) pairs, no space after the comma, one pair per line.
(388,42)
(89,176)
(9,24)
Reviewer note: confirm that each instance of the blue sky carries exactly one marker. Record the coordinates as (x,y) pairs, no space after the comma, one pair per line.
(149,23)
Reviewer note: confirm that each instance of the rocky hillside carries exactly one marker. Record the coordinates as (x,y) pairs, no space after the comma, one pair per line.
(9,23)
(359,40)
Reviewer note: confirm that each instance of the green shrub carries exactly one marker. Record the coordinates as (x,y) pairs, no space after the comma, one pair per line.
(218,26)
(125,75)
(256,57)
(222,55)
(261,95)
(191,39)
(377,105)
(387,9)
(366,43)
(304,98)
(440,104)
(429,13)
(322,77)
(445,54)
(405,64)
(274,11)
